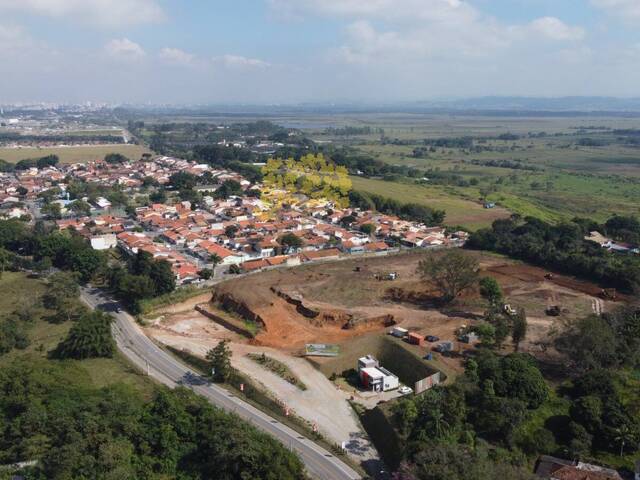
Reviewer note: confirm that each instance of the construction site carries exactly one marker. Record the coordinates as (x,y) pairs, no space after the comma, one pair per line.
(352,306)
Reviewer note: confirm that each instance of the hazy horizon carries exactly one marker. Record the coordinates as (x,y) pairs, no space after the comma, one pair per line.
(309,51)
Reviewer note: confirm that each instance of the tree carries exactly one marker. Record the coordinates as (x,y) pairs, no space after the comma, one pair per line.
(590,343)
(347,220)
(219,359)
(115,158)
(215,259)
(163,277)
(159,196)
(290,241)
(519,330)
(368,229)
(48,161)
(5,260)
(81,207)
(183,181)
(205,273)
(62,287)
(228,189)
(231,230)
(90,337)
(452,272)
(52,210)
(491,292)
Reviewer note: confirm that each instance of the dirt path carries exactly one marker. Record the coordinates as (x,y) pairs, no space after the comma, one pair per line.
(322,403)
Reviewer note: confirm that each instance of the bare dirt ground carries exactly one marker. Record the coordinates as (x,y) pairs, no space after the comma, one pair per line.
(322,403)
(346,290)
(339,290)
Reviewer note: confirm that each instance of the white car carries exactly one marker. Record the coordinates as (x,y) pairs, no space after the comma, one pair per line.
(405,390)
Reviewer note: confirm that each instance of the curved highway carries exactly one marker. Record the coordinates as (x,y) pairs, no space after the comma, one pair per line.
(148,357)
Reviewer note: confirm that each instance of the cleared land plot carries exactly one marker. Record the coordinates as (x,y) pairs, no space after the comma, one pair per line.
(80,154)
(337,292)
(459,211)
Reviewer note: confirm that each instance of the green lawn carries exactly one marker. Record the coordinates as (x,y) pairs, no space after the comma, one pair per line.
(72,154)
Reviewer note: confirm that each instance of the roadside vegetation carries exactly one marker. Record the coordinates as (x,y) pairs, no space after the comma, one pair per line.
(65,372)
(278,368)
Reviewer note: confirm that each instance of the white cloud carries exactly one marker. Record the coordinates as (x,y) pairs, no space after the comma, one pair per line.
(106,13)
(449,11)
(124,49)
(237,61)
(555,29)
(13,39)
(628,10)
(176,56)
(419,30)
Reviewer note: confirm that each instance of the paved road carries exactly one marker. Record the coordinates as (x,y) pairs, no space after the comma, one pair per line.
(147,356)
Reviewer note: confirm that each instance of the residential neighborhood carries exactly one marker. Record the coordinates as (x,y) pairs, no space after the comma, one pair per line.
(241,231)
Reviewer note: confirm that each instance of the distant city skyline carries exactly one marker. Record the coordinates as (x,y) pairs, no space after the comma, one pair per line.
(293,51)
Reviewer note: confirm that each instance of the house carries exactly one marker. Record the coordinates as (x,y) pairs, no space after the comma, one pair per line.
(351,247)
(330,254)
(102,203)
(552,468)
(104,242)
(207,249)
(376,247)
(374,377)
(185,272)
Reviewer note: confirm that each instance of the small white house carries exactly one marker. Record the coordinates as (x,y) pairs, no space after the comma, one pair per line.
(374,377)
(104,242)
(102,203)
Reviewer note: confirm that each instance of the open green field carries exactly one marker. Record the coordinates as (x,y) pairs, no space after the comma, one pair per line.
(19,291)
(460,210)
(552,168)
(72,154)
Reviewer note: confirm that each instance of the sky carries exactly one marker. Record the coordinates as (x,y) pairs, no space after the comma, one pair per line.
(321,51)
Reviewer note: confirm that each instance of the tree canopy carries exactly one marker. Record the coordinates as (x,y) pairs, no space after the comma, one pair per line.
(451,272)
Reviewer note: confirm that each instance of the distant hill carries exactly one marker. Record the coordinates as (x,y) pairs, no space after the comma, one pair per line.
(581,104)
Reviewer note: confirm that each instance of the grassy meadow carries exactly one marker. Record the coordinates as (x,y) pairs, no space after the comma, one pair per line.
(80,154)
(20,291)
(562,175)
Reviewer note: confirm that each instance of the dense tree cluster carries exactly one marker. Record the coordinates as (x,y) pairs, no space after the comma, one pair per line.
(446,425)
(608,341)
(561,248)
(43,162)
(89,337)
(77,431)
(115,158)
(406,211)
(142,277)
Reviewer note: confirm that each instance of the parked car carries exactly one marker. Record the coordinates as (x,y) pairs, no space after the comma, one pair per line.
(404,390)
(432,338)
